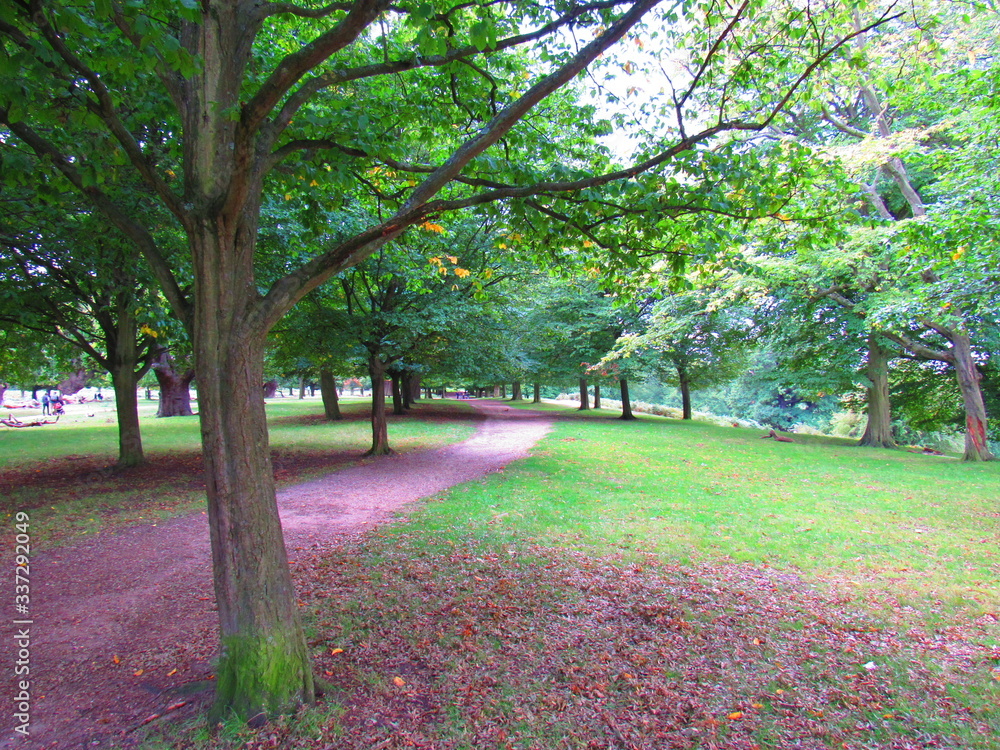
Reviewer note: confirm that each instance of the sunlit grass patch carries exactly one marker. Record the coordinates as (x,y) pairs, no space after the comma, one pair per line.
(65,479)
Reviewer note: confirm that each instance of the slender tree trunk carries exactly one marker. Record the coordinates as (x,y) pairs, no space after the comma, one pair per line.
(397,394)
(271,389)
(123,356)
(536,396)
(878,432)
(380,430)
(414,386)
(127,408)
(328,391)
(175,387)
(302,386)
(626,403)
(406,389)
(515,391)
(976,444)
(685,385)
(597,395)
(584,396)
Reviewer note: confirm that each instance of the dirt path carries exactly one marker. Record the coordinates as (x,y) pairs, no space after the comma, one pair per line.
(124,625)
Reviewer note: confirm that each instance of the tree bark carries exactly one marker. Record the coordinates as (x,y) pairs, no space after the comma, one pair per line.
(878,431)
(685,385)
(976,444)
(175,388)
(75,382)
(302,387)
(536,397)
(413,385)
(270,389)
(264,663)
(584,396)
(397,393)
(515,391)
(123,377)
(626,403)
(380,430)
(597,395)
(328,391)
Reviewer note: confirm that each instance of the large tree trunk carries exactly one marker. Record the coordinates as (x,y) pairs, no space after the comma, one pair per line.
(976,445)
(515,391)
(76,381)
(413,385)
(685,385)
(380,430)
(626,403)
(878,432)
(271,389)
(536,396)
(584,396)
(264,664)
(328,390)
(597,395)
(175,388)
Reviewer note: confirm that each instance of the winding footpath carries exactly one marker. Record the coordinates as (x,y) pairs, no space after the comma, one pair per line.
(125,623)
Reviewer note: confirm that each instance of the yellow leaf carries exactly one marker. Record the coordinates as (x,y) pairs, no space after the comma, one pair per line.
(757,705)
(335,651)
(149,331)
(462,272)
(115,659)
(453,259)
(399,681)
(432,227)
(502,246)
(288,196)
(314,184)
(171,673)
(138,673)
(736,715)
(588,243)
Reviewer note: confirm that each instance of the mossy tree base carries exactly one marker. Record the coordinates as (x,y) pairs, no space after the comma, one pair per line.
(268,675)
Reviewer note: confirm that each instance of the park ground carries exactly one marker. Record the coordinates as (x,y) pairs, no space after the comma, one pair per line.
(654,584)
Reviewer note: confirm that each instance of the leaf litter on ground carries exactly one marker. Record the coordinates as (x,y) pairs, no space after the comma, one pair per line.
(529,647)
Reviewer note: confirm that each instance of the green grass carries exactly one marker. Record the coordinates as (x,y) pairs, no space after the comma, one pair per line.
(661,584)
(62,475)
(924,527)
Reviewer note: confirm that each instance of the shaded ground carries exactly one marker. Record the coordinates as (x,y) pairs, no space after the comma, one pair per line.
(124,627)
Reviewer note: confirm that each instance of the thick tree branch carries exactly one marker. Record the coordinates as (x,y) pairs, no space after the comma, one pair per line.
(337,77)
(104,108)
(117,215)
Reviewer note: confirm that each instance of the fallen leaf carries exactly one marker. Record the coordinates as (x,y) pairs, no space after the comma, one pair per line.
(137,674)
(335,651)
(115,659)
(735,715)
(171,673)
(175,706)
(399,681)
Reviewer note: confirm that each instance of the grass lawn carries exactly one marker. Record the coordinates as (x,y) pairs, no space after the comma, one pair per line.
(659,584)
(61,473)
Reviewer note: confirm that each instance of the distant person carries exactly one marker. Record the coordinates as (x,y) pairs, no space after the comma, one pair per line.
(45,404)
